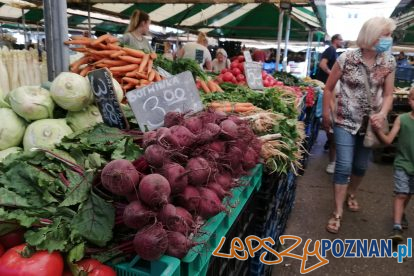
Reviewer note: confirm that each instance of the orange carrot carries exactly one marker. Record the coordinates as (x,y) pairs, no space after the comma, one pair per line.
(151,75)
(219,88)
(100,39)
(153,55)
(144,82)
(157,76)
(114,47)
(150,63)
(142,76)
(128,87)
(133,52)
(75,65)
(86,70)
(204,86)
(112,62)
(212,86)
(79,37)
(132,74)
(144,63)
(124,68)
(130,59)
(118,54)
(79,42)
(112,39)
(80,49)
(131,80)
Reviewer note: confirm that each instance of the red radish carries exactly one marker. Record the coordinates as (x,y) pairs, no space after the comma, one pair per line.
(176,176)
(188,218)
(173,118)
(218,189)
(240,77)
(155,156)
(229,129)
(227,77)
(198,170)
(171,221)
(189,199)
(194,124)
(183,136)
(151,242)
(154,190)
(178,245)
(150,137)
(210,204)
(236,71)
(120,177)
(136,215)
(12,239)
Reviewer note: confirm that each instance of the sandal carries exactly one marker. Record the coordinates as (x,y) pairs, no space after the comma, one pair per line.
(352,203)
(334,224)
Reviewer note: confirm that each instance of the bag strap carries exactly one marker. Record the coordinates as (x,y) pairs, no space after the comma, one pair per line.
(367,86)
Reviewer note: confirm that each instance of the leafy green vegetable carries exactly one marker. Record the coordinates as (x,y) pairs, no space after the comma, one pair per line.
(51,238)
(78,189)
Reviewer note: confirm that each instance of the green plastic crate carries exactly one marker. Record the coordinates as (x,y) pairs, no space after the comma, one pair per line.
(166,266)
(197,260)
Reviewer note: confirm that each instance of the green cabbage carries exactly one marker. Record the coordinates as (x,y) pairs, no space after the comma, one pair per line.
(32,102)
(11,129)
(71,91)
(3,102)
(45,133)
(88,117)
(6,152)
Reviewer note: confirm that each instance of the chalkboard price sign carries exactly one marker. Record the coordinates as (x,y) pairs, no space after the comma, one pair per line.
(151,103)
(253,72)
(105,98)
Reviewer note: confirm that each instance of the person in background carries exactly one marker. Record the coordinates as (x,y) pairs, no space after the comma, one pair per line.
(197,51)
(137,29)
(402,60)
(328,59)
(403,166)
(259,55)
(168,51)
(221,61)
(353,108)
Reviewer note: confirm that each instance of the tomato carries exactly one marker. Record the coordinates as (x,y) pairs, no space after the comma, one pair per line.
(224,71)
(240,77)
(234,64)
(67,273)
(228,76)
(264,74)
(242,83)
(40,263)
(1,250)
(236,71)
(240,59)
(266,83)
(12,239)
(88,264)
(279,83)
(241,67)
(95,268)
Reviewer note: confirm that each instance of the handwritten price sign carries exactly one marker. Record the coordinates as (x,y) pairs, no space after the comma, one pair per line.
(253,71)
(151,103)
(106,100)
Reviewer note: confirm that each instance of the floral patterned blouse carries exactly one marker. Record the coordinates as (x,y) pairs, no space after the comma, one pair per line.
(353,108)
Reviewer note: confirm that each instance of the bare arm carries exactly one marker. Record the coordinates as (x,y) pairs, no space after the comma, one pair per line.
(378,119)
(388,138)
(328,94)
(208,64)
(180,53)
(323,64)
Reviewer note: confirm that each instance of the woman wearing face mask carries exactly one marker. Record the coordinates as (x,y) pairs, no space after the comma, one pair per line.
(371,68)
(221,61)
(138,27)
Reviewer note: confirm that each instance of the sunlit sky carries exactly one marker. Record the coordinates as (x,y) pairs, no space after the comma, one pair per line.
(347,17)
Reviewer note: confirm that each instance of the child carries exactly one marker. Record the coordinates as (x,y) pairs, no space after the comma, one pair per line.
(403,166)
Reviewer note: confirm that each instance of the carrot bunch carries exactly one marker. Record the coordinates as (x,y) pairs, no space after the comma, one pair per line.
(232,107)
(208,86)
(132,68)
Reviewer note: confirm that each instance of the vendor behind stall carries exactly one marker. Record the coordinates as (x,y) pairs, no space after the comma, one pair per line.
(138,27)
(221,61)
(197,51)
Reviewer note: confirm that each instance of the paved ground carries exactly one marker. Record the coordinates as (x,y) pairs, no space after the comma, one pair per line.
(314,204)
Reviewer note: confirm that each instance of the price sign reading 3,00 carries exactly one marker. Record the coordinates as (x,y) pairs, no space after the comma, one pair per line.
(150,104)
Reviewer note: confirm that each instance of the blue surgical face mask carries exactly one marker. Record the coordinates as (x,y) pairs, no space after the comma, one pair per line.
(384,44)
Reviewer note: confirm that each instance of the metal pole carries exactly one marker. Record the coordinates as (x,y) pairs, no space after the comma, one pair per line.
(308,52)
(279,38)
(56,29)
(285,53)
(89,20)
(316,57)
(24,29)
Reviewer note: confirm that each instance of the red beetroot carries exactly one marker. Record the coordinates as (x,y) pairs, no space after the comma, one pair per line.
(225,180)
(173,118)
(149,138)
(209,133)
(217,146)
(218,189)
(151,242)
(188,218)
(250,159)
(183,136)
(210,204)
(165,139)
(178,245)
(229,129)
(154,190)
(172,221)
(198,170)
(234,156)
(136,215)
(155,155)
(189,199)
(120,177)
(194,124)
(176,176)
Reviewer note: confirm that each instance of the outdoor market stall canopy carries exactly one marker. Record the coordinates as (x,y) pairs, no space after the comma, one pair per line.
(226,19)
(404,14)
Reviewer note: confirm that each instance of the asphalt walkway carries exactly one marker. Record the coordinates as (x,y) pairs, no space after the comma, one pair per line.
(313,206)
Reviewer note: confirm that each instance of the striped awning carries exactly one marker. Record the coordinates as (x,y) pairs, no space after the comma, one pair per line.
(252,20)
(404,15)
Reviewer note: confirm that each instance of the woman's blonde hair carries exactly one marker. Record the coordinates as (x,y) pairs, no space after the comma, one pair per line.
(136,19)
(202,38)
(372,30)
